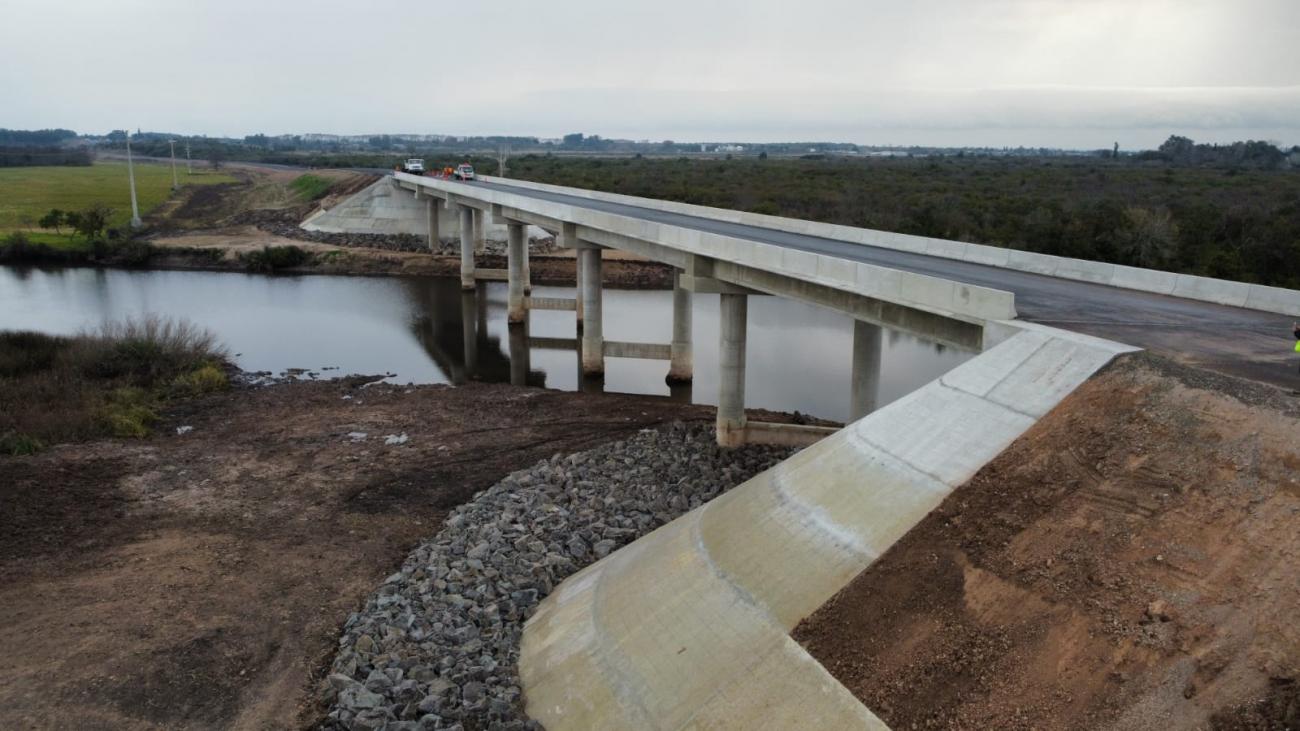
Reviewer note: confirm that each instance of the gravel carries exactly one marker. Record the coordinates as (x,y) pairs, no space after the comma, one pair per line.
(436,645)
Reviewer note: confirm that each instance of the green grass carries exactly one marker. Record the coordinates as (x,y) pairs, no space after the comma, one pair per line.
(26,194)
(310,187)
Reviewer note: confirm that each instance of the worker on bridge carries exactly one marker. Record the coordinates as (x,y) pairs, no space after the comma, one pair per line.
(1295,330)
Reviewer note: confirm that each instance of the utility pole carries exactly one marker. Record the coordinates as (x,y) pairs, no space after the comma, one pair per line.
(130,174)
(175,184)
(188,170)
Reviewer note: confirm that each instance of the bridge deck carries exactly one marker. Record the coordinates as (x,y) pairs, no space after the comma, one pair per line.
(1243,342)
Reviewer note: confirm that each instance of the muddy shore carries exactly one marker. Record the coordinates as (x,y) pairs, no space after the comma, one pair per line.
(200,580)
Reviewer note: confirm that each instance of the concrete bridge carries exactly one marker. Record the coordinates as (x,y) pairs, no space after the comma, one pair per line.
(731,579)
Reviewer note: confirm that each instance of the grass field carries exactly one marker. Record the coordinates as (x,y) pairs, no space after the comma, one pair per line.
(26,194)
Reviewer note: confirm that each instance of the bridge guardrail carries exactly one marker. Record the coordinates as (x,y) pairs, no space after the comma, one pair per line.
(940,296)
(1207,289)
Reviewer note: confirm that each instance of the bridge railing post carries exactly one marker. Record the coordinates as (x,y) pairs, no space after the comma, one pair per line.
(733,316)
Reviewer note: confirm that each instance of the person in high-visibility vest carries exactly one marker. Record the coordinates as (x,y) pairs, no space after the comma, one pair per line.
(1295,330)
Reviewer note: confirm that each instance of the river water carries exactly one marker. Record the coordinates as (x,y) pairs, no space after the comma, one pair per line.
(798,355)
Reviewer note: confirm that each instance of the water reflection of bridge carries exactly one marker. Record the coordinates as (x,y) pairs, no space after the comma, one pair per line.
(451,326)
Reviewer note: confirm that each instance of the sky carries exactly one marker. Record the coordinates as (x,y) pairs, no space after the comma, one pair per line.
(1058,73)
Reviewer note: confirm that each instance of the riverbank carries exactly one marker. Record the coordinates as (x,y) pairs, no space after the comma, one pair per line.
(221,250)
(199,578)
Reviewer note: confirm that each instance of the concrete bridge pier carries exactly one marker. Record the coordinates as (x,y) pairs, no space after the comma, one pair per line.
(480,242)
(516,266)
(589,292)
(733,317)
(467,248)
(519,355)
(432,207)
(568,239)
(868,340)
(680,366)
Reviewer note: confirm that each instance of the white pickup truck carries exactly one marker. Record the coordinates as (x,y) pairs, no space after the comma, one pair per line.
(464,171)
(414,166)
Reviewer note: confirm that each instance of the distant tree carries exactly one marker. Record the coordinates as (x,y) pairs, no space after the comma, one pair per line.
(762,155)
(216,157)
(573,140)
(90,222)
(1114,154)
(1149,237)
(52,220)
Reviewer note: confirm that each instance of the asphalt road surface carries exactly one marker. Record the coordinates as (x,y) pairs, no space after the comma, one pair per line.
(1241,342)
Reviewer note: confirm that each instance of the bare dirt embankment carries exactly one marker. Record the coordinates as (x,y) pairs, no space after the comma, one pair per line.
(200,580)
(1130,563)
(211,227)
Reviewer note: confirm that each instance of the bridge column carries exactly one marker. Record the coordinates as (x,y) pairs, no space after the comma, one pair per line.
(480,244)
(528,270)
(432,206)
(466,247)
(733,315)
(593,340)
(680,366)
(516,253)
(569,240)
(867,347)
(519,355)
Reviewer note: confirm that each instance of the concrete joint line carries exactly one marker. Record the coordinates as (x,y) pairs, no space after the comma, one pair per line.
(990,401)
(938,484)
(817,518)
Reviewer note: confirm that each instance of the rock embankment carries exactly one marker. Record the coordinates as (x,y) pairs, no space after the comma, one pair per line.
(436,646)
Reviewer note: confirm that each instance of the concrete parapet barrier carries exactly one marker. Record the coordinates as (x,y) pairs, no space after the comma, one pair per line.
(918,291)
(1284,301)
(688,627)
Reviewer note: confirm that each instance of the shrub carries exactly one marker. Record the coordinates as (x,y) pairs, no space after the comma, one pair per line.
(17,444)
(24,352)
(150,349)
(132,253)
(204,379)
(17,248)
(272,258)
(129,412)
(112,381)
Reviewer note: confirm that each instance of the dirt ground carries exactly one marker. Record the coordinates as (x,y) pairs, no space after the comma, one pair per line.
(200,580)
(1130,563)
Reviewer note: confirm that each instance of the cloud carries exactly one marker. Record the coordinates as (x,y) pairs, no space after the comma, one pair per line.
(1065,72)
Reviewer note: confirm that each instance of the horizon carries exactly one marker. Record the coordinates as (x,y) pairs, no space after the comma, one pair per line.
(1032,73)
